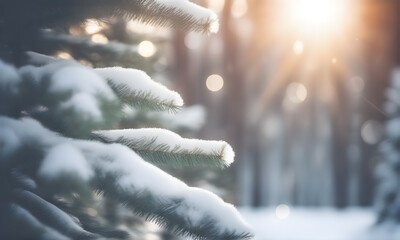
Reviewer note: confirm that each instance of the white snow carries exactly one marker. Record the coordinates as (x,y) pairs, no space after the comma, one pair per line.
(140,83)
(37,59)
(172,140)
(202,15)
(9,78)
(26,131)
(197,200)
(79,79)
(315,224)
(65,158)
(9,141)
(138,175)
(84,104)
(134,175)
(87,88)
(47,233)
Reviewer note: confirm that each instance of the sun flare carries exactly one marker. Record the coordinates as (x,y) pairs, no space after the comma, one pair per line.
(317,16)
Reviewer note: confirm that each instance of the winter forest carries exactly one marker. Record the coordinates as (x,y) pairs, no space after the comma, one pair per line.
(200,119)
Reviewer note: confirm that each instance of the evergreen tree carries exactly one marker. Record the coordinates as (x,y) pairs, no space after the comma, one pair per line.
(62,175)
(388,171)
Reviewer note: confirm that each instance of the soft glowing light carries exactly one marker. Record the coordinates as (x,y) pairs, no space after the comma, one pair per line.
(146,49)
(99,38)
(193,40)
(334,60)
(74,30)
(216,5)
(296,92)
(371,131)
(138,27)
(85,63)
(214,82)
(239,8)
(321,15)
(92,26)
(92,212)
(282,211)
(64,55)
(357,84)
(298,47)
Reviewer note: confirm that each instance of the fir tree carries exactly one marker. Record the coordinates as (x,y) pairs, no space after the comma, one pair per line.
(388,171)
(61,171)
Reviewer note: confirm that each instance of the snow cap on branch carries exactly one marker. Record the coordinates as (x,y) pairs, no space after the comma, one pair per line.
(174,13)
(136,88)
(160,145)
(145,188)
(65,159)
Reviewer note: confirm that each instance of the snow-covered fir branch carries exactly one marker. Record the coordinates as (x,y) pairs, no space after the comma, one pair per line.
(136,88)
(72,105)
(169,13)
(172,13)
(165,147)
(118,171)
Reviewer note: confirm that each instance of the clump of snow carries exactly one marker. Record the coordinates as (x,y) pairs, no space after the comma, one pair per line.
(65,158)
(45,233)
(164,137)
(139,83)
(9,141)
(137,176)
(132,174)
(84,104)
(84,88)
(79,79)
(9,78)
(38,59)
(197,200)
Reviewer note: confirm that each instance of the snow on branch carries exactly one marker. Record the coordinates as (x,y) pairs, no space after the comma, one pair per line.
(50,215)
(146,189)
(174,13)
(165,147)
(137,89)
(63,94)
(31,224)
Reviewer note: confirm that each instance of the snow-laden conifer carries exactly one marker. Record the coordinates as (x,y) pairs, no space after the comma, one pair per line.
(57,184)
(118,171)
(387,172)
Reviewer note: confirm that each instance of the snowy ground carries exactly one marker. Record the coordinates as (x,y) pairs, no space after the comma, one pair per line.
(316,224)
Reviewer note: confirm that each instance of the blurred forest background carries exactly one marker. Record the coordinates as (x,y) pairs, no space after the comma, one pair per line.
(303,95)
